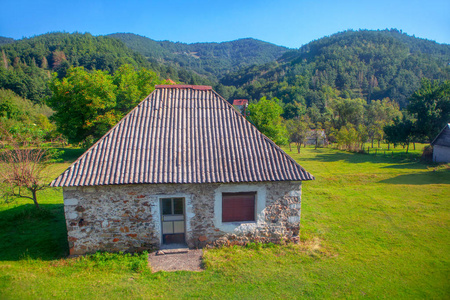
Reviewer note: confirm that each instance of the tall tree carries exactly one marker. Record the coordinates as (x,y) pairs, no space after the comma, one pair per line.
(379,114)
(430,104)
(401,131)
(348,111)
(84,104)
(266,116)
(133,86)
(298,131)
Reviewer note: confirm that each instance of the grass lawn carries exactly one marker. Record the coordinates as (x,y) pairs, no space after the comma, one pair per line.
(371,227)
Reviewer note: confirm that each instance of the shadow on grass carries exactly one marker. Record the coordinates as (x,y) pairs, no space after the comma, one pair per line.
(27,232)
(70,154)
(356,158)
(432,177)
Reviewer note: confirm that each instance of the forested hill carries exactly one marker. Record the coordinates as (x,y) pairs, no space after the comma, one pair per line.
(209,59)
(360,64)
(78,49)
(5,40)
(26,64)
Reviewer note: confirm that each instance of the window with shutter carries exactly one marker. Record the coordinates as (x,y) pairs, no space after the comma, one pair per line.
(238,207)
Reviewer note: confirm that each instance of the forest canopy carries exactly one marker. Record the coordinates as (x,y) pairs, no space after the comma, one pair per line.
(350,84)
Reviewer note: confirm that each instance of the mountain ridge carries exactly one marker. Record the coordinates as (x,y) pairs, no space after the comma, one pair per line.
(219,57)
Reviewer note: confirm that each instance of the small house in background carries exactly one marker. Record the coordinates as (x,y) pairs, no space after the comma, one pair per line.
(441,146)
(316,136)
(241,105)
(183,167)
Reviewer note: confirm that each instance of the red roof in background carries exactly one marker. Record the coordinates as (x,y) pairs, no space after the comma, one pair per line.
(184,86)
(240,101)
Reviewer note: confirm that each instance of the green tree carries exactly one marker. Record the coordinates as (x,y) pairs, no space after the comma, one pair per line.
(401,131)
(84,104)
(379,114)
(430,104)
(133,86)
(298,131)
(348,111)
(266,116)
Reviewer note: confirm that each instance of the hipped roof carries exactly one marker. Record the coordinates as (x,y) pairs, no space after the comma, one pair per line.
(182,134)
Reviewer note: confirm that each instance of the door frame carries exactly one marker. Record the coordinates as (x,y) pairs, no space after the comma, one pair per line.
(160,199)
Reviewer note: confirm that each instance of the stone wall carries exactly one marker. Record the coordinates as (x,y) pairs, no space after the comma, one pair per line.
(127,217)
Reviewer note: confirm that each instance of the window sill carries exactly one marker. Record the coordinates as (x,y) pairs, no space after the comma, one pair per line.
(237,223)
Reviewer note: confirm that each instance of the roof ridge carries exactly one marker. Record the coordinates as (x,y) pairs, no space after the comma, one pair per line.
(184,86)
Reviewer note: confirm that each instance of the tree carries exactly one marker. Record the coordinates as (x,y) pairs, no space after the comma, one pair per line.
(84,104)
(133,86)
(293,110)
(348,111)
(400,132)
(23,167)
(266,116)
(298,131)
(430,104)
(379,114)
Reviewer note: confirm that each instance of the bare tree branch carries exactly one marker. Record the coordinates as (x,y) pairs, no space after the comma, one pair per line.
(23,166)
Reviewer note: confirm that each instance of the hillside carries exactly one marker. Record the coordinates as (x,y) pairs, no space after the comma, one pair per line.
(210,59)
(26,66)
(359,64)
(5,40)
(365,64)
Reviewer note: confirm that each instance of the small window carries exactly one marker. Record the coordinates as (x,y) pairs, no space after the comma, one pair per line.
(172,206)
(238,207)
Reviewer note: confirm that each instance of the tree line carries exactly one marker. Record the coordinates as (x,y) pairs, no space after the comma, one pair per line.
(352,122)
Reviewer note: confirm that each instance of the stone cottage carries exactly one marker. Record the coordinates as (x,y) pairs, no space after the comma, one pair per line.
(441,146)
(183,167)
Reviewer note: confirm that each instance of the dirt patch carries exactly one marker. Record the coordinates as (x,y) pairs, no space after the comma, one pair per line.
(189,261)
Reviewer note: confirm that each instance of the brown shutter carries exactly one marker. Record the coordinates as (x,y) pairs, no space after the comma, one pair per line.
(237,207)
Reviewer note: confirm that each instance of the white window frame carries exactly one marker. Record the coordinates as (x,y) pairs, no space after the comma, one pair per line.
(260,204)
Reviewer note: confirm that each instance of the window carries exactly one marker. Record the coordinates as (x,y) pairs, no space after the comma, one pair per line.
(238,207)
(172,206)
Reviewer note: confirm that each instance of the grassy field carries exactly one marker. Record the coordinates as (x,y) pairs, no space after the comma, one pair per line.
(371,227)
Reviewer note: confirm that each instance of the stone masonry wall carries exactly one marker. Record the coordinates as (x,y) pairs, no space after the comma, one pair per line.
(127,217)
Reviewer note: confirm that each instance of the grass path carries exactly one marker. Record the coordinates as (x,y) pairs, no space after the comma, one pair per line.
(372,227)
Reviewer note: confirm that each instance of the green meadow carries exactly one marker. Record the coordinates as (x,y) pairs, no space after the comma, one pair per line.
(372,226)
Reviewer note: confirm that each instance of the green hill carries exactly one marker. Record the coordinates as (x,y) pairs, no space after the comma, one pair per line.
(5,40)
(365,64)
(210,59)
(26,64)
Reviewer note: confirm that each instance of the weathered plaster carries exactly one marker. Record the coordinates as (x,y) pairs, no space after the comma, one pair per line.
(441,154)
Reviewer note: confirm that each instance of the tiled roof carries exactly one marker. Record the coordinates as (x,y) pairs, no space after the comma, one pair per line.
(182,134)
(240,101)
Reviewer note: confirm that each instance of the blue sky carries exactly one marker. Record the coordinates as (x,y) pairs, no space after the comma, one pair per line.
(283,22)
